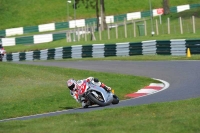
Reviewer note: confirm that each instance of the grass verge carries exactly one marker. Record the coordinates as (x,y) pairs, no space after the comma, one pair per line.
(142,58)
(172,117)
(28,89)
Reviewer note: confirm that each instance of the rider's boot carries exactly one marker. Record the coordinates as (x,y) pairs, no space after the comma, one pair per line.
(84,103)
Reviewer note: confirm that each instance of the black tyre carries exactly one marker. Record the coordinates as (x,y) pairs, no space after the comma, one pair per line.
(115,99)
(1,57)
(96,101)
(86,106)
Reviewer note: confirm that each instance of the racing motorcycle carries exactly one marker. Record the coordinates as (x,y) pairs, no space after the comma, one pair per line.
(2,53)
(94,94)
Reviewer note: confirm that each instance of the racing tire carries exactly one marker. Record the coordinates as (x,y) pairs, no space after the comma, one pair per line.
(96,101)
(86,106)
(115,99)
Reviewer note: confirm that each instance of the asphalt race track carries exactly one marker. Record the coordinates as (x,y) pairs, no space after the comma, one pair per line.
(183,77)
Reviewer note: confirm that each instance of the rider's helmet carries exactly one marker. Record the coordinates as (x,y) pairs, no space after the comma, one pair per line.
(71,84)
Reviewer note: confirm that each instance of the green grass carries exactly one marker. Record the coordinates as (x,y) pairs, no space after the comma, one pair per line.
(171,117)
(27,89)
(29,13)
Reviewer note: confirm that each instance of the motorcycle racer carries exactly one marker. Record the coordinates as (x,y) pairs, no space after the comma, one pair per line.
(73,87)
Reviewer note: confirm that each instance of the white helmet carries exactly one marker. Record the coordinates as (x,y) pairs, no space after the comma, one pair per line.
(71,84)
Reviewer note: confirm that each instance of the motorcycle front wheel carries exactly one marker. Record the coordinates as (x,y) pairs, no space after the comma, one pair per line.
(96,101)
(115,99)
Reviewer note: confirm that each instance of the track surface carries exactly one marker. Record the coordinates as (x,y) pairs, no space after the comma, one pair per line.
(183,77)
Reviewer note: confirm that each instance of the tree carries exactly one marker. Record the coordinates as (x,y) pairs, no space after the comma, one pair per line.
(166,7)
(103,22)
(94,4)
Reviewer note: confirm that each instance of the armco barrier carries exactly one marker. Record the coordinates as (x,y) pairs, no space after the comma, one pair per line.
(152,47)
(84,22)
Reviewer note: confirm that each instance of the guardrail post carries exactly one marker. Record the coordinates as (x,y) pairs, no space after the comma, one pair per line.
(168,25)
(125,28)
(92,34)
(86,31)
(68,37)
(78,34)
(108,33)
(99,33)
(193,24)
(82,28)
(145,28)
(181,26)
(116,30)
(157,31)
(134,29)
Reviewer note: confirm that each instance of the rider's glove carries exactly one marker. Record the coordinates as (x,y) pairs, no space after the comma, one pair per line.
(109,89)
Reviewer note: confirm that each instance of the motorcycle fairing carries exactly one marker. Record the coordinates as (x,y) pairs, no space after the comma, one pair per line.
(107,96)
